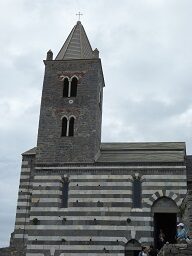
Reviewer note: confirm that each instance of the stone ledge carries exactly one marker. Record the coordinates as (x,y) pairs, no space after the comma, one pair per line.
(12,251)
(176,250)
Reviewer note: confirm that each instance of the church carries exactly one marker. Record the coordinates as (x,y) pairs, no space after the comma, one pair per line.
(79,196)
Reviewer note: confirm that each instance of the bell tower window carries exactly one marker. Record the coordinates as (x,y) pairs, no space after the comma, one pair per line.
(66,87)
(67,129)
(64,127)
(74,87)
(71,126)
(70,87)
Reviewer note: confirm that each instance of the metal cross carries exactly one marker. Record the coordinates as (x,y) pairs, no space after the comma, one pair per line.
(79,14)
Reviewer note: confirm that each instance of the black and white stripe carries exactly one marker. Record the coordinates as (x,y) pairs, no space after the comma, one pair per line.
(84,227)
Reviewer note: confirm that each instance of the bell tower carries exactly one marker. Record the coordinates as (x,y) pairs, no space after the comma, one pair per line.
(71,104)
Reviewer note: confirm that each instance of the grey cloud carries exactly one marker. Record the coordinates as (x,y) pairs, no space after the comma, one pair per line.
(145,46)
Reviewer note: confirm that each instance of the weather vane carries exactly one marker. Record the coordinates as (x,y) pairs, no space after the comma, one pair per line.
(79,14)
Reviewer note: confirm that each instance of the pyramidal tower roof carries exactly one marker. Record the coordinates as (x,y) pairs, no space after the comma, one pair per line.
(76,46)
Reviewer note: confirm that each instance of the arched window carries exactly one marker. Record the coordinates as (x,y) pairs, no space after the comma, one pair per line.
(64,127)
(66,87)
(136,193)
(71,126)
(67,128)
(65,190)
(74,87)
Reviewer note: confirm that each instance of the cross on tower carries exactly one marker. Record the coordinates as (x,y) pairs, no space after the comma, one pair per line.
(79,14)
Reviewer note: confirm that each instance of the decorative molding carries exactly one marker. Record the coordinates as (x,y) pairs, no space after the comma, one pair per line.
(100,169)
(70,74)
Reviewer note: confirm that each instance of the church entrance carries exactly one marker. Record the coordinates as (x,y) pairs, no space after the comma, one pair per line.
(165,213)
(132,248)
(167,223)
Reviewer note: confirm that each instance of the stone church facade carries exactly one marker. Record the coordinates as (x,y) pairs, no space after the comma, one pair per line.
(78,196)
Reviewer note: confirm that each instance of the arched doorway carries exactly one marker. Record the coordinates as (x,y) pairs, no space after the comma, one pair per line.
(165,213)
(132,248)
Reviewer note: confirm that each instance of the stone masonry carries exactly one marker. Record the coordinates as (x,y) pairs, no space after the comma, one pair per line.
(176,250)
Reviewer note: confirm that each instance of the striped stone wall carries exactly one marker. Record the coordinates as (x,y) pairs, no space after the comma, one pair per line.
(24,201)
(99,218)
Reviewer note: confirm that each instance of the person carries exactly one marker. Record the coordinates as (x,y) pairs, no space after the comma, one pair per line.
(143,251)
(181,233)
(152,251)
(161,239)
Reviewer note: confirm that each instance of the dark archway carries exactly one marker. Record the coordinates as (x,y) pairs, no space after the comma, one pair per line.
(132,248)
(71,126)
(165,213)
(64,127)
(66,87)
(74,83)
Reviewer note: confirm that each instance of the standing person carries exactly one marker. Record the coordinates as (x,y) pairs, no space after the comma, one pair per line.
(181,233)
(143,251)
(161,239)
(152,251)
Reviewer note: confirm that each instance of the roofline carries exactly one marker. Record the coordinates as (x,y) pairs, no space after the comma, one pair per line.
(29,152)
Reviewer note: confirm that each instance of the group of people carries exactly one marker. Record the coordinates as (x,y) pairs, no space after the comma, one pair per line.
(181,236)
(181,233)
(145,251)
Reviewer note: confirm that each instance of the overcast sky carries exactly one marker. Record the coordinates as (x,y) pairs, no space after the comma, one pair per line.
(146,52)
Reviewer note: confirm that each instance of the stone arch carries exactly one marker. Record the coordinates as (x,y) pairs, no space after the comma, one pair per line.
(132,246)
(74,76)
(72,116)
(164,193)
(64,116)
(164,204)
